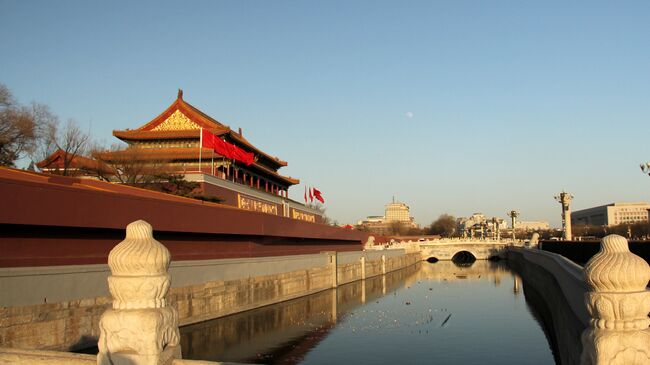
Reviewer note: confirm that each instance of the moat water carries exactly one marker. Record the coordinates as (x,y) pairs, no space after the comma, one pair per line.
(436,313)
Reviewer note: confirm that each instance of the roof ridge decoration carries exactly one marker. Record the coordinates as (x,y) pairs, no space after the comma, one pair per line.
(176,121)
(171,120)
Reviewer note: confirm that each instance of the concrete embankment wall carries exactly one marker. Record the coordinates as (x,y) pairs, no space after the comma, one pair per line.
(59,307)
(551,307)
(568,275)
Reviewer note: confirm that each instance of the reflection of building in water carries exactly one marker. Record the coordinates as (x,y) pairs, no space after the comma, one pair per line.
(285,332)
(396,216)
(449,271)
(516,284)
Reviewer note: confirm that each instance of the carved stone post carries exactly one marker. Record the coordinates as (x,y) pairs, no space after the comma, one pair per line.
(140,329)
(619,304)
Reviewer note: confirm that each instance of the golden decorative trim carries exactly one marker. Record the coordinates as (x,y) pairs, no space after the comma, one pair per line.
(176,122)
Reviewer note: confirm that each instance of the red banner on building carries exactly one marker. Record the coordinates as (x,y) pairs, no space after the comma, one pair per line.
(226,149)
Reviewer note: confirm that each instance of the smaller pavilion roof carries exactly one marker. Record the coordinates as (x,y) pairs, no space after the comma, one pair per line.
(56,161)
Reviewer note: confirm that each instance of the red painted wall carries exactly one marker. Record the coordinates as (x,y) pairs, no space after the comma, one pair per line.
(62,221)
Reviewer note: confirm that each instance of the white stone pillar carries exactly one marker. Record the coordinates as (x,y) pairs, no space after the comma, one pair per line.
(140,328)
(383,264)
(618,303)
(362,262)
(564,199)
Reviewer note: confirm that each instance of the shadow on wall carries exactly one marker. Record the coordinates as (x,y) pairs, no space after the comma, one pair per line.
(580,251)
(551,310)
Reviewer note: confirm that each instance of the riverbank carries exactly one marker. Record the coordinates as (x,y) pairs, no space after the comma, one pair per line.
(61,310)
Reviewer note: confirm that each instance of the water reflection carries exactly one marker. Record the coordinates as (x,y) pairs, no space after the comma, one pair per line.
(550,308)
(427,313)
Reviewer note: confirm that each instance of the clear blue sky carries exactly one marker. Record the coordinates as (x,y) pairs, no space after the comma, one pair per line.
(450,106)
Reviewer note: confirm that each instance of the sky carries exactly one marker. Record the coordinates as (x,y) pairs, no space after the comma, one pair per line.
(449,106)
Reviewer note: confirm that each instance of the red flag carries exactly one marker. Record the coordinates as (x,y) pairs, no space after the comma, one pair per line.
(311,196)
(305,195)
(317,195)
(207,139)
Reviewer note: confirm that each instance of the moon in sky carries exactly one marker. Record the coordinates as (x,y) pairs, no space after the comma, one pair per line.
(409,115)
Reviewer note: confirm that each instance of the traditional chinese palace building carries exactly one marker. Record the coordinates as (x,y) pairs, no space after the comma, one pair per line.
(172,140)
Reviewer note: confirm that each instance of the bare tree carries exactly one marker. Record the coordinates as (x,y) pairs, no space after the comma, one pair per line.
(397,228)
(18,132)
(72,141)
(321,209)
(47,125)
(128,165)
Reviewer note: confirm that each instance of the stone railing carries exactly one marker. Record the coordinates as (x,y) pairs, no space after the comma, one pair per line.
(618,302)
(140,328)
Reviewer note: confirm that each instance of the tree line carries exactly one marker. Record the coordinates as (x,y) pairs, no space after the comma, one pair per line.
(444,226)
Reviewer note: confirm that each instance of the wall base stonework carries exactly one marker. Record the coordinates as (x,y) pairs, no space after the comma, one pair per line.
(200,291)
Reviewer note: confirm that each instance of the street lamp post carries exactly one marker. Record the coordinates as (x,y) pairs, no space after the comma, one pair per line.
(564,198)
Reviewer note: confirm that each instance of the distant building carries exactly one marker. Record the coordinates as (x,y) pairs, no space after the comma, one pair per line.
(532,225)
(477,225)
(395,214)
(612,214)
(397,211)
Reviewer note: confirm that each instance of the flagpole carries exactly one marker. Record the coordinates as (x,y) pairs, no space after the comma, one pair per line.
(200,149)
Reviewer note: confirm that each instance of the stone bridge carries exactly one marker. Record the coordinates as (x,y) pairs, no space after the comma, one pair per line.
(462,250)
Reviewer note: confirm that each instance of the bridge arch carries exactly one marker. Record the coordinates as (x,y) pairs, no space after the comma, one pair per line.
(432,259)
(463,257)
